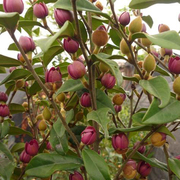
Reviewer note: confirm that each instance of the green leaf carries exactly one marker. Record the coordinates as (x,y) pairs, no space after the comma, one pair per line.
(95,165)
(2,70)
(130,78)
(29,23)
(111,64)
(18,131)
(8,61)
(16,74)
(63,68)
(156,115)
(137,118)
(13,47)
(141,4)
(163,72)
(16,108)
(34,88)
(66,30)
(165,130)
(4,129)
(103,101)
(114,37)
(148,19)
(167,39)
(159,88)
(9,20)
(101,117)
(18,147)
(174,165)
(6,151)
(43,165)
(6,168)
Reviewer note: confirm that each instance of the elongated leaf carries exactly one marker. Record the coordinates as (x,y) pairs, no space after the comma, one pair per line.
(6,168)
(112,65)
(29,23)
(8,61)
(141,4)
(16,108)
(66,30)
(43,165)
(18,147)
(95,165)
(101,117)
(137,118)
(165,130)
(174,165)
(168,39)
(4,129)
(2,70)
(158,87)
(6,151)
(163,72)
(18,131)
(13,47)
(148,20)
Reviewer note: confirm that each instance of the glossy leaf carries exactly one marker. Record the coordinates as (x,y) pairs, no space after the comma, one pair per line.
(29,23)
(6,151)
(148,19)
(16,108)
(95,165)
(4,129)
(13,47)
(101,117)
(114,37)
(8,61)
(174,165)
(6,168)
(137,118)
(159,88)
(141,4)
(18,131)
(165,130)
(167,39)
(163,72)
(44,164)
(18,147)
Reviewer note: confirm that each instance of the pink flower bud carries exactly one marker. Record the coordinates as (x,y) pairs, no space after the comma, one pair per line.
(143,168)
(130,169)
(70,45)
(141,149)
(163,28)
(40,10)
(24,157)
(85,100)
(11,69)
(48,146)
(166,52)
(124,18)
(53,75)
(178,157)
(4,110)
(143,28)
(13,6)
(120,143)
(108,81)
(26,43)
(32,147)
(88,136)
(76,176)
(155,53)
(61,16)
(76,70)
(118,108)
(174,65)
(3,97)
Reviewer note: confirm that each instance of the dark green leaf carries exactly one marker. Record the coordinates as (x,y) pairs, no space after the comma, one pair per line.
(130,78)
(18,147)
(138,118)
(29,23)
(63,68)
(13,47)
(16,108)
(18,131)
(163,72)
(114,37)
(4,129)
(8,61)
(174,165)
(34,88)
(6,151)
(2,70)
(148,20)
(6,168)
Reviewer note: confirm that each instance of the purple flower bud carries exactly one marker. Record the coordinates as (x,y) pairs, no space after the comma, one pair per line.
(3,97)
(26,43)
(76,176)
(70,45)
(24,157)
(143,28)
(143,168)
(32,147)
(163,28)
(155,53)
(178,157)
(13,6)
(85,100)
(174,65)
(130,169)
(76,70)
(88,136)
(108,81)
(166,52)
(141,149)
(11,69)
(61,16)
(102,28)
(120,143)
(117,108)
(124,18)
(53,75)
(40,10)
(4,110)
(48,146)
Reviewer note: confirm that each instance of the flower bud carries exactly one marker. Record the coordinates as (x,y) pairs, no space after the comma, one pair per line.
(3,97)
(53,75)
(166,52)
(42,126)
(118,99)
(174,65)
(39,117)
(76,176)
(48,146)
(88,136)
(20,83)
(149,63)
(85,100)
(120,143)
(143,168)
(100,36)
(32,147)
(117,108)
(136,25)
(103,67)
(124,18)
(163,27)
(27,44)
(61,16)
(155,53)
(130,169)
(4,110)
(47,114)
(79,116)
(20,57)
(108,81)
(99,5)
(124,47)
(92,1)
(13,6)
(178,157)
(25,105)
(40,10)
(143,28)
(76,70)
(176,85)
(141,149)
(158,139)
(146,42)
(24,157)
(61,97)
(70,45)
(11,69)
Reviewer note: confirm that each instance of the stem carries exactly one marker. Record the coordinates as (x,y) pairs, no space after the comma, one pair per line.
(137,102)
(121,122)
(12,96)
